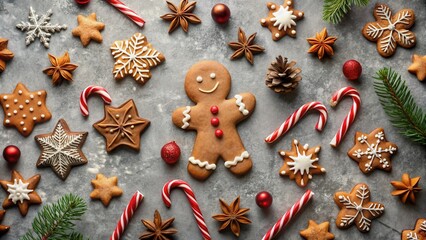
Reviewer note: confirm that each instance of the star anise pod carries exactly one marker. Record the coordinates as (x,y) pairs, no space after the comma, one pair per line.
(322,44)
(157,230)
(245,46)
(61,68)
(232,216)
(181,15)
(407,188)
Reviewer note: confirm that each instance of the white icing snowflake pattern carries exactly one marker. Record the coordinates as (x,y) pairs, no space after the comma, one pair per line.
(423,226)
(374,151)
(283,18)
(135,57)
(39,27)
(375,209)
(302,162)
(18,191)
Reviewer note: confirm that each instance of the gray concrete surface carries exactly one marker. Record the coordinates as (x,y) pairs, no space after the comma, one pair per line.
(145,171)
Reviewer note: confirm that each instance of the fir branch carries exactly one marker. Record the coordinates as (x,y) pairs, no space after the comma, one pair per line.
(335,10)
(399,105)
(55,221)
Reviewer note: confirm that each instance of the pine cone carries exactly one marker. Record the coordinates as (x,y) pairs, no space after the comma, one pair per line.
(282,76)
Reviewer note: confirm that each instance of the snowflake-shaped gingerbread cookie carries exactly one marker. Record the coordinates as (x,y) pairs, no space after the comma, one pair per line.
(356,208)
(135,57)
(38,26)
(389,31)
(418,233)
(372,151)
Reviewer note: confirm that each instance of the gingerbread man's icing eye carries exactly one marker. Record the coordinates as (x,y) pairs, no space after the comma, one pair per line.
(199,79)
(212,75)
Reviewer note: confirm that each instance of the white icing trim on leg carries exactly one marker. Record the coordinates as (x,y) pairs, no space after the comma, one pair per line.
(202,164)
(241,105)
(237,159)
(186,118)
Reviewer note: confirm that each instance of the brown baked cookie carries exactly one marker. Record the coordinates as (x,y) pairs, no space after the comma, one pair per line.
(418,66)
(356,208)
(300,163)
(135,57)
(105,189)
(21,192)
(3,228)
(23,109)
(390,31)
(122,126)
(372,151)
(214,117)
(5,54)
(281,19)
(418,233)
(88,29)
(61,149)
(317,231)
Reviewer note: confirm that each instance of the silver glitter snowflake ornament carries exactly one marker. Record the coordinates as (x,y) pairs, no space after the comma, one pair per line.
(39,26)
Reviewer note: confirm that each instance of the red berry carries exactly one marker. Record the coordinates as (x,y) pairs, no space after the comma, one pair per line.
(218,133)
(11,154)
(221,13)
(170,152)
(214,121)
(352,69)
(214,110)
(264,199)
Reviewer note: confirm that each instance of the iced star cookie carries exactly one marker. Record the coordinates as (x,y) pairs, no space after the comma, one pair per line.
(418,233)
(281,19)
(214,117)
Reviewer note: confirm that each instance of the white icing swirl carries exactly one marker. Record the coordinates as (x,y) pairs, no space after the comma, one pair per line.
(241,105)
(186,118)
(202,164)
(237,159)
(18,191)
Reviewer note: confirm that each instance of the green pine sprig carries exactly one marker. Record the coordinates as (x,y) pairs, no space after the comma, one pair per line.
(399,105)
(55,221)
(335,10)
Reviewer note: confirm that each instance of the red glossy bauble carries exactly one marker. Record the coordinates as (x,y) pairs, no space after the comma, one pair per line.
(221,13)
(264,199)
(214,121)
(214,110)
(82,2)
(170,152)
(11,154)
(218,133)
(352,69)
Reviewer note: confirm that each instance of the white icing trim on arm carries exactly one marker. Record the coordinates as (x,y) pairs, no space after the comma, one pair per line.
(241,105)
(237,159)
(186,118)
(202,164)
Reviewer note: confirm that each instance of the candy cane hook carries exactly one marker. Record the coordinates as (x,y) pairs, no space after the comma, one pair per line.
(296,116)
(349,119)
(192,201)
(132,15)
(89,90)
(127,215)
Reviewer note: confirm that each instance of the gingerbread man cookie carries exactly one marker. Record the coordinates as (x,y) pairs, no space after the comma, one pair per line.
(214,117)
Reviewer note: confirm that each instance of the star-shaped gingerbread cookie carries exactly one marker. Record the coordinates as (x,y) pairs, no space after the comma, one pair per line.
(3,228)
(356,208)
(418,67)
(88,29)
(5,54)
(105,189)
(21,192)
(281,19)
(418,233)
(372,151)
(300,163)
(317,231)
(61,149)
(23,109)
(122,126)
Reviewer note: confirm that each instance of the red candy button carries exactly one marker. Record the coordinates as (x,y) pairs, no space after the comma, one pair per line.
(214,110)
(218,133)
(214,121)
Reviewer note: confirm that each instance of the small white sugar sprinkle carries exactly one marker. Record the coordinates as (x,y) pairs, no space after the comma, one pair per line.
(4,97)
(22,123)
(277,35)
(42,116)
(39,93)
(212,75)
(273,7)
(20,92)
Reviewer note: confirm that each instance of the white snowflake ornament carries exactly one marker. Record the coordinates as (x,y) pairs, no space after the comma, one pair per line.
(39,27)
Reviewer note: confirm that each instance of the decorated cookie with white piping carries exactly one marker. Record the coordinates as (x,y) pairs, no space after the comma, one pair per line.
(214,117)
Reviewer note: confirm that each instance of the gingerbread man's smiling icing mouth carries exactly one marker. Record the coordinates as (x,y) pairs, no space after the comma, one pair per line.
(200,80)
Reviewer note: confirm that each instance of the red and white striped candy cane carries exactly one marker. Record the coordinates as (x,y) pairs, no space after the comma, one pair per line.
(288,216)
(89,90)
(192,201)
(296,116)
(127,215)
(120,6)
(349,119)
